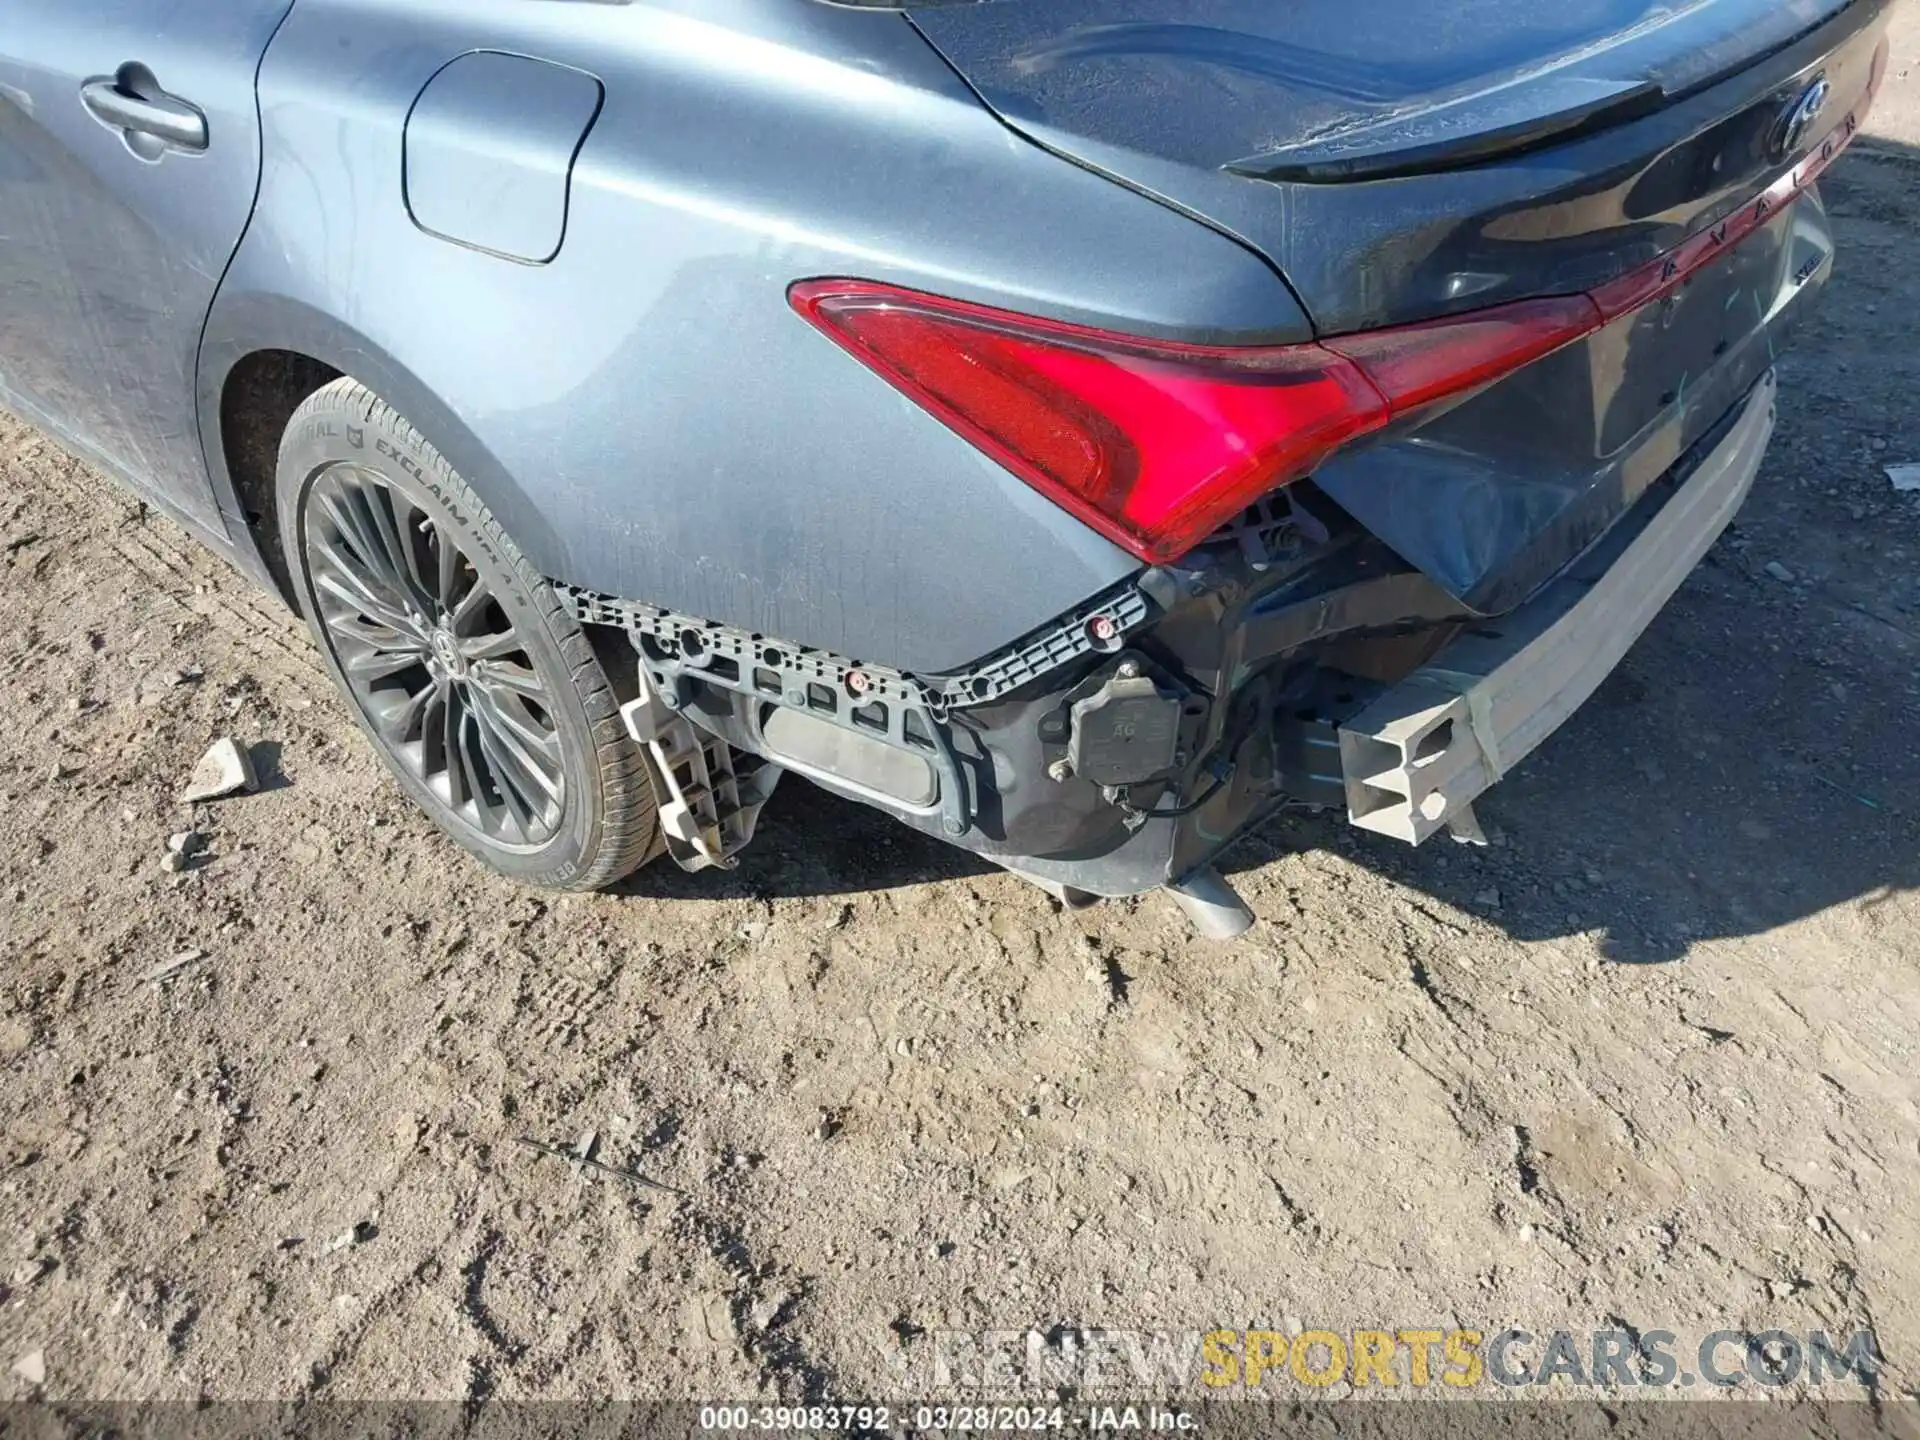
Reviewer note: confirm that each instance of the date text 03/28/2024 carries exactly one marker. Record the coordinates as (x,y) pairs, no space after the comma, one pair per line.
(937,1419)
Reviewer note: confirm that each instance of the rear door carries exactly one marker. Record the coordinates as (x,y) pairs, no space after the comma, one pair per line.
(129,160)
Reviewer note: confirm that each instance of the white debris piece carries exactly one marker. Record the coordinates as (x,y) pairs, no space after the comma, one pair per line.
(361,1232)
(223,770)
(1906,478)
(167,969)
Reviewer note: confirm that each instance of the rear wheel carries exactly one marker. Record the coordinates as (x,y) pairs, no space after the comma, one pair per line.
(480,692)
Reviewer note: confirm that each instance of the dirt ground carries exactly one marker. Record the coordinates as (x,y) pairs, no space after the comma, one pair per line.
(1648,1061)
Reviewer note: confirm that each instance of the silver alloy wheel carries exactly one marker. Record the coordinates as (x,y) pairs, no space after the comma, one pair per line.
(432,658)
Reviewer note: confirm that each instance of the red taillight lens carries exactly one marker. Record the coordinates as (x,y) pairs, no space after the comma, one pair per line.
(1419,365)
(1157,444)
(1152,444)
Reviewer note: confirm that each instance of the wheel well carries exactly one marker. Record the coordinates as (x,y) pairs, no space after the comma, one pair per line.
(259,398)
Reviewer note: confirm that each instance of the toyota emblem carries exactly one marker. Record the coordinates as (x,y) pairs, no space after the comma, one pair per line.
(1801,116)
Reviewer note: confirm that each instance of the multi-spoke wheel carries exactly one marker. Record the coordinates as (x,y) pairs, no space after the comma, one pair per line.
(482,695)
(430,657)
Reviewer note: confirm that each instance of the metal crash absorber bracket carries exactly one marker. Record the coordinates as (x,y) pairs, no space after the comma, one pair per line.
(707,807)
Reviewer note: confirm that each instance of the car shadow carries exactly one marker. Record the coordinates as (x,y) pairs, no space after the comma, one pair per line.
(811,842)
(1752,763)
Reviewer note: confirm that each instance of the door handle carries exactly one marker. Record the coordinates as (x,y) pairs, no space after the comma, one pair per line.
(152,121)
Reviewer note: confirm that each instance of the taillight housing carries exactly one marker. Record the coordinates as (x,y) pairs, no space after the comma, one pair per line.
(1156,444)
(1151,443)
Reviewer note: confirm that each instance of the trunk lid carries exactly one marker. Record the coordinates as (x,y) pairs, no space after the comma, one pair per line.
(1321,83)
(1397,162)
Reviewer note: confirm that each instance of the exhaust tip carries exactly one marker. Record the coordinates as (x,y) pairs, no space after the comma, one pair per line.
(1211,904)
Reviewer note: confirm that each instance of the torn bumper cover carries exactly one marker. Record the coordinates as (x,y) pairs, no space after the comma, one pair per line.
(1419,754)
(1293,659)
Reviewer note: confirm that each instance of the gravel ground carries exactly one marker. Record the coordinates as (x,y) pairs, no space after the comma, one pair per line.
(1648,1061)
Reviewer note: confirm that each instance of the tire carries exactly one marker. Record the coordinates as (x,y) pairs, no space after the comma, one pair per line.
(481,694)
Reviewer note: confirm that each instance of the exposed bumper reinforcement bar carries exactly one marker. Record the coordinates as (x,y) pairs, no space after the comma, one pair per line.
(1419,756)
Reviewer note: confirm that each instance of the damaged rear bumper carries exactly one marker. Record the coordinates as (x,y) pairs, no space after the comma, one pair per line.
(1294,659)
(1414,759)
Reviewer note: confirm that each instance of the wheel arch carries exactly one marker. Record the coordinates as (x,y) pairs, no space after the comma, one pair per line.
(260,358)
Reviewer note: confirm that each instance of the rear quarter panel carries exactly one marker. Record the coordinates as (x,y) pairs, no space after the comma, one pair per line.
(645,414)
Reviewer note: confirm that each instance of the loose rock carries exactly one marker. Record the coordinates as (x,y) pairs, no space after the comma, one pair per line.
(1780,572)
(361,1232)
(224,770)
(32,1367)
